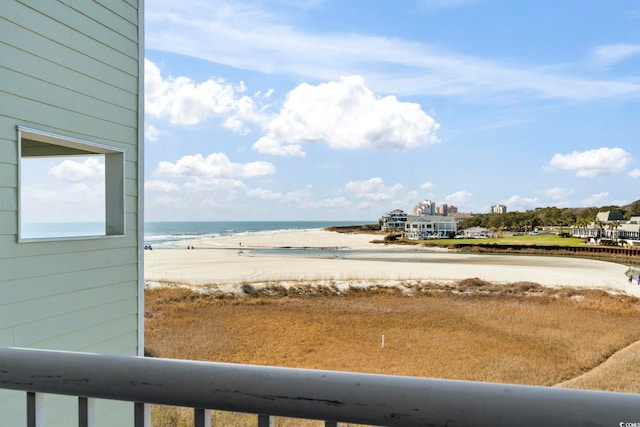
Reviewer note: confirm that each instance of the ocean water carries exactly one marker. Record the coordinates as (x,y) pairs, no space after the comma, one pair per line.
(163,234)
(49,230)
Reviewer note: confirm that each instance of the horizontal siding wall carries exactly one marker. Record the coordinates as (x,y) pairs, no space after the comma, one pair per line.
(8,194)
(8,249)
(8,187)
(70,68)
(61,411)
(8,147)
(13,409)
(33,294)
(40,267)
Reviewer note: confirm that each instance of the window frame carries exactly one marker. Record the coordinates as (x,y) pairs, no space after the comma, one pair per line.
(46,144)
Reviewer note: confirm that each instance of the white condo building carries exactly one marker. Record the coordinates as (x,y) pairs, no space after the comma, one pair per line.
(499,209)
(425,207)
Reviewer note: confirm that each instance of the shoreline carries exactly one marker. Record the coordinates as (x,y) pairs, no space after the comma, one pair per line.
(226,263)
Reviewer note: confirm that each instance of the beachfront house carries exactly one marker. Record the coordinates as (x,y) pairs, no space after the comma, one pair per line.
(609,216)
(587,231)
(430,227)
(71,88)
(418,227)
(610,225)
(628,231)
(394,220)
(476,232)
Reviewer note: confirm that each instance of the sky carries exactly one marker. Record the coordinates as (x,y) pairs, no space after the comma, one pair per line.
(347,109)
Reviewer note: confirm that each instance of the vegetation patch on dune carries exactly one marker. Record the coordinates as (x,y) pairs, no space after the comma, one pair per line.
(474,330)
(519,333)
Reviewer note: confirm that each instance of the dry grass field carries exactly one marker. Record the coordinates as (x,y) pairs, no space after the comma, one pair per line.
(520,333)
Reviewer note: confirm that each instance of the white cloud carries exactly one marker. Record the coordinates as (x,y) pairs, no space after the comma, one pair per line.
(598,199)
(593,163)
(365,206)
(302,196)
(264,194)
(602,199)
(407,199)
(164,203)
(164,200)
(186,102)
(213,177)
(67,189)
(331,203)
(412,196)
(427,185)
(251,37)
(91,169)
(372,189)
(268,145)
(208,185)
(340,114)
(635,173)
(160,185)
(518,203)
(216,165)
(614,53)
(458,198)
(151,133)
(346,114)
(69,201)
(557,193)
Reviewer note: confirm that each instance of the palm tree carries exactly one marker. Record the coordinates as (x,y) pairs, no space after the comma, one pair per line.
(581,224)
(599,226)
(614,226)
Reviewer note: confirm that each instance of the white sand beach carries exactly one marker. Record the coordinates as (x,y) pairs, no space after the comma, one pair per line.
(225,262)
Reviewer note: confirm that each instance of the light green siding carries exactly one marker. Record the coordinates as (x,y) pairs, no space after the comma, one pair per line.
(71,68)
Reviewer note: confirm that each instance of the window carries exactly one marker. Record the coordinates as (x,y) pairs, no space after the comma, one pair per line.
(68,188)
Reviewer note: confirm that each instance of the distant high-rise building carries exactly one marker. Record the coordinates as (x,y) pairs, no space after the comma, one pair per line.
(442,209)
(425,207)
(499,209)
(453,209)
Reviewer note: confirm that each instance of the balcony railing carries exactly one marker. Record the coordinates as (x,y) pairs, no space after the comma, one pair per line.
(300,393)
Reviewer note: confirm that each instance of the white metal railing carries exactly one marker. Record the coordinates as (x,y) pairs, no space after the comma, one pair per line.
(300,393)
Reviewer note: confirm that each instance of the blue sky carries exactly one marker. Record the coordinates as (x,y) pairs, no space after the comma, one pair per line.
(343,110)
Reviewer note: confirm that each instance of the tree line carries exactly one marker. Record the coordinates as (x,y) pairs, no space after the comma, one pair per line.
(549,216)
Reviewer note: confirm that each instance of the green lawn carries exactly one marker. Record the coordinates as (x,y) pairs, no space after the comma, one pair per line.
(540,240)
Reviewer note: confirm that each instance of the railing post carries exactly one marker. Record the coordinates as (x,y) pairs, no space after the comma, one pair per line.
(35,409)
(201,417)
(141,415)
(265,421)
(330,424)
(86,412)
